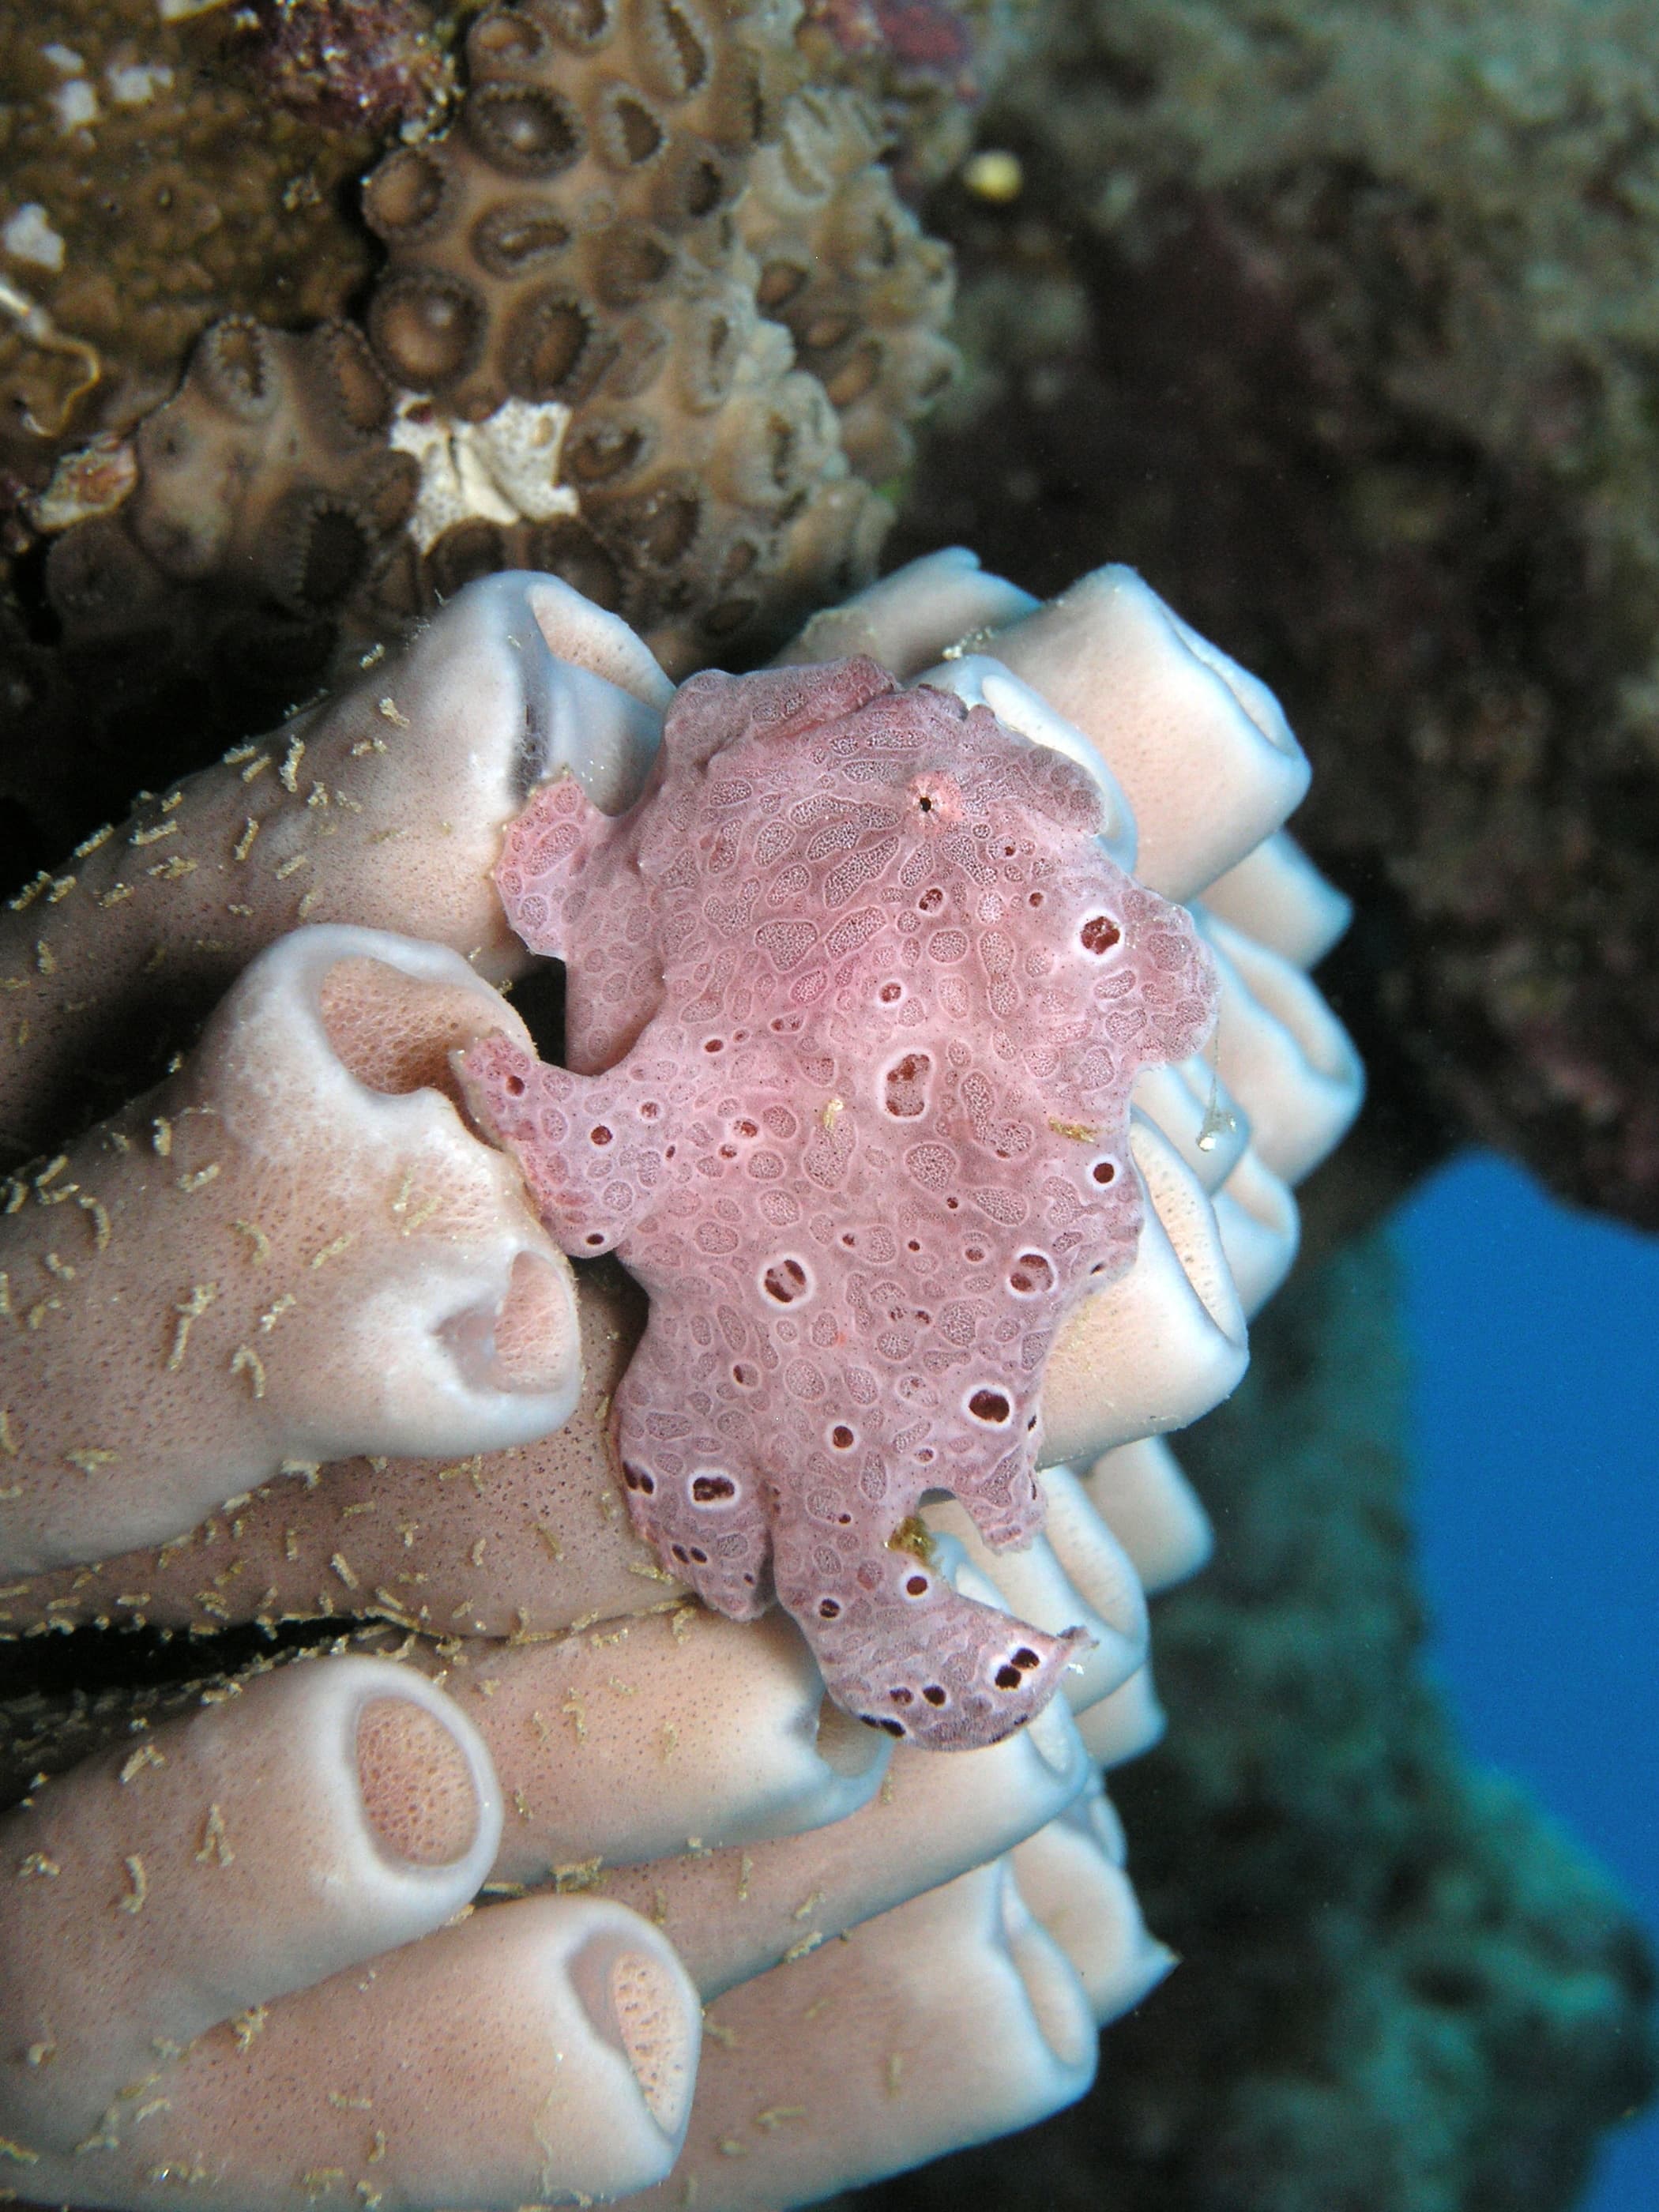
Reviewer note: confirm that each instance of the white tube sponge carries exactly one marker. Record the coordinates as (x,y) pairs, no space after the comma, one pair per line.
(1164,1342)
(952,2019)
(1140,1494)
(1200,746)
(383,806)
(330,1811)
(293,1250)
(542,2053)
(672,1733)
(907,620)
(1194,1109)
(731,1914)
(1071,1875)
(1282,1053)
(1261,1230)
(399,1537)
(1277,896)
(1125,1725)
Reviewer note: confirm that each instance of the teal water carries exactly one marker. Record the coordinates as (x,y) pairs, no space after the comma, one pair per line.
(1536,1341)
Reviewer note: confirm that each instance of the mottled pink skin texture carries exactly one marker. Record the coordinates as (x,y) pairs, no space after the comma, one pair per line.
(855,998)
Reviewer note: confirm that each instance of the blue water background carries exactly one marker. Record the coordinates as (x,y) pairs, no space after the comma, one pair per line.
(1536,1341)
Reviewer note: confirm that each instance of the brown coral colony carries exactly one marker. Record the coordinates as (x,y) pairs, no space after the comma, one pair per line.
(639,218)
(571,241)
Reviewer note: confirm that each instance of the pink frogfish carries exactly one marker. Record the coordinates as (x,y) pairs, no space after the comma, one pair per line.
(855,998)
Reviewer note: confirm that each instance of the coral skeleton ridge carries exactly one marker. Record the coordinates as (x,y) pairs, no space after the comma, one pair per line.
(856,998)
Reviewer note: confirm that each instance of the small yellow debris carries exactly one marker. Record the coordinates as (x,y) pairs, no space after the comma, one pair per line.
(341,1568)
(162,1136)
(913,1535)
(333,1251)
(38,1864)
(1080,1133)
(214,1843)
(577,1712)
(247,2025)
(993,174)
(134,1899)
(775,2115)
(390,713)
(17,2152)
(832,1110)
(245,1360)
(188,1311)
(244,844)
(555,1547)
(155,834)
(146,1756)
(256,1236)
(30,892)
(90,1459)
(289,774)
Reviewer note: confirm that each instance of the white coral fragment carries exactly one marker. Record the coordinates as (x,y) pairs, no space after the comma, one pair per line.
(28,236)
(504,470)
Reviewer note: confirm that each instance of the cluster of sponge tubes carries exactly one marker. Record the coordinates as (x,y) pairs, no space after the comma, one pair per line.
(281,1340)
